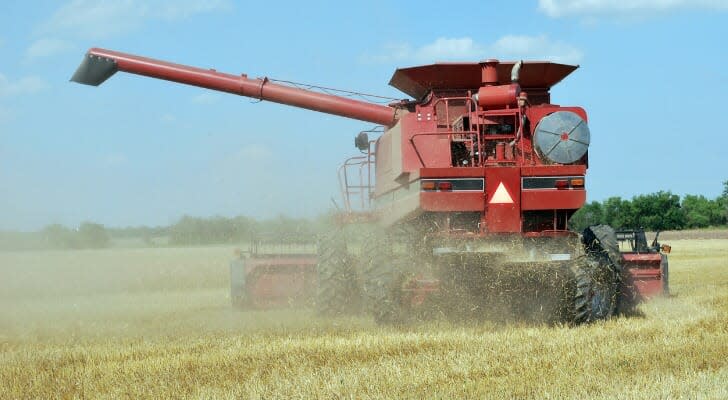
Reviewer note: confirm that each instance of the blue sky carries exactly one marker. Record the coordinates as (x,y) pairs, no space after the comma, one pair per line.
(653,79)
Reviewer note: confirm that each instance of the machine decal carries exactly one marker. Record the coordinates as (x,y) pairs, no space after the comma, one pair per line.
(501,196)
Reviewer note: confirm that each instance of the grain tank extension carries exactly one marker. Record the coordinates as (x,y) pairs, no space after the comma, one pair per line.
(469,185)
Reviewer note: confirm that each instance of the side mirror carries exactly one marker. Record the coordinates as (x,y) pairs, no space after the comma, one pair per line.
(362,141)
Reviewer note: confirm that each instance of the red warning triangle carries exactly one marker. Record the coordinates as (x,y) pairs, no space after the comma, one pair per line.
(501,196)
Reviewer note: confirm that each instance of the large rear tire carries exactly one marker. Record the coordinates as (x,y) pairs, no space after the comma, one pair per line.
(597,276)
(383,279)
(338,289)
(596,295)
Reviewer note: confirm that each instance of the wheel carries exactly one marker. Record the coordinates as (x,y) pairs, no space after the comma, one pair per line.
(383,278)
(597,290)
(338,289)
(597,276)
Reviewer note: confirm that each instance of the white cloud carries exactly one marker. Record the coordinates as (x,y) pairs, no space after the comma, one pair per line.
(449,48)
(561,8)
(205,98)
(47,47)
(466,48)
(25,85)
(440,50)
(97,19)
(536,47)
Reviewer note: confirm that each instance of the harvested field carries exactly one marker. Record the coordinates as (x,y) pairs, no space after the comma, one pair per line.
(156,323)
(712,233)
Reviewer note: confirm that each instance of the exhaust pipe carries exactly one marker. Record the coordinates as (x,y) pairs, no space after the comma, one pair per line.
(516,71)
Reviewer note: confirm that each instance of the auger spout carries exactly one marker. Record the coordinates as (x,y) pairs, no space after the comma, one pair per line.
(99,64)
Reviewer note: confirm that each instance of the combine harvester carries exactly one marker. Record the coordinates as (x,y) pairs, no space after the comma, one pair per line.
(469,187)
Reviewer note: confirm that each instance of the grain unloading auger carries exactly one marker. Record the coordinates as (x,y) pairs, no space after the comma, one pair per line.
(472,188)
(101,64)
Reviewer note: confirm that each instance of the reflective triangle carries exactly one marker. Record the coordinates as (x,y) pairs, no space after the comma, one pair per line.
(501,196)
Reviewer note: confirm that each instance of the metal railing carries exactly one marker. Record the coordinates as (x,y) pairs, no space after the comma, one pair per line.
(356,177)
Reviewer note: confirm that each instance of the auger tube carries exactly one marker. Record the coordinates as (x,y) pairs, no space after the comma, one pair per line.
(99,64)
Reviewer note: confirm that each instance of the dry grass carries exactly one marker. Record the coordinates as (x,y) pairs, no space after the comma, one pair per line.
(155,323)
(706,233)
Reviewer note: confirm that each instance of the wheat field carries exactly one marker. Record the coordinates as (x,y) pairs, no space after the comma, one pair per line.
(155,323)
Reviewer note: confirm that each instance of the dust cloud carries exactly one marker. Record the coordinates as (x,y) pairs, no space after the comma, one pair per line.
(59,295)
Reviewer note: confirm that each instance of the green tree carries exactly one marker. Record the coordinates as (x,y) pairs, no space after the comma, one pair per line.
(723,202)
(701,212)
(58,236)
(289,230)
(92,235)
(590,214)
(658,211)
(245,228)
(618,213)
(215,230)
(187,231)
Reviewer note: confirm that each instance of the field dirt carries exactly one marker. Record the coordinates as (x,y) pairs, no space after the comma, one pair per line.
(156,323)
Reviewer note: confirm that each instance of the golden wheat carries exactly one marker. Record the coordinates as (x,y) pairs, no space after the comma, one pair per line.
(155,323)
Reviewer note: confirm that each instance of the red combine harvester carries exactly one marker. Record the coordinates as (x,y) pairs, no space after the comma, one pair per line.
(472,188)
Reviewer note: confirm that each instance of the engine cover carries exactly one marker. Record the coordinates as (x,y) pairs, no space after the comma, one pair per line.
(561,137)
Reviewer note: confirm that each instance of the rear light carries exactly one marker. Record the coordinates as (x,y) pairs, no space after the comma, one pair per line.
(553,182)
(428,185)
(452,185)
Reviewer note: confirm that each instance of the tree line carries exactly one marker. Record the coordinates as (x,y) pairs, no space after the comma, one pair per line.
(220,230)
(88,235)
(655,211)
(187,231)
